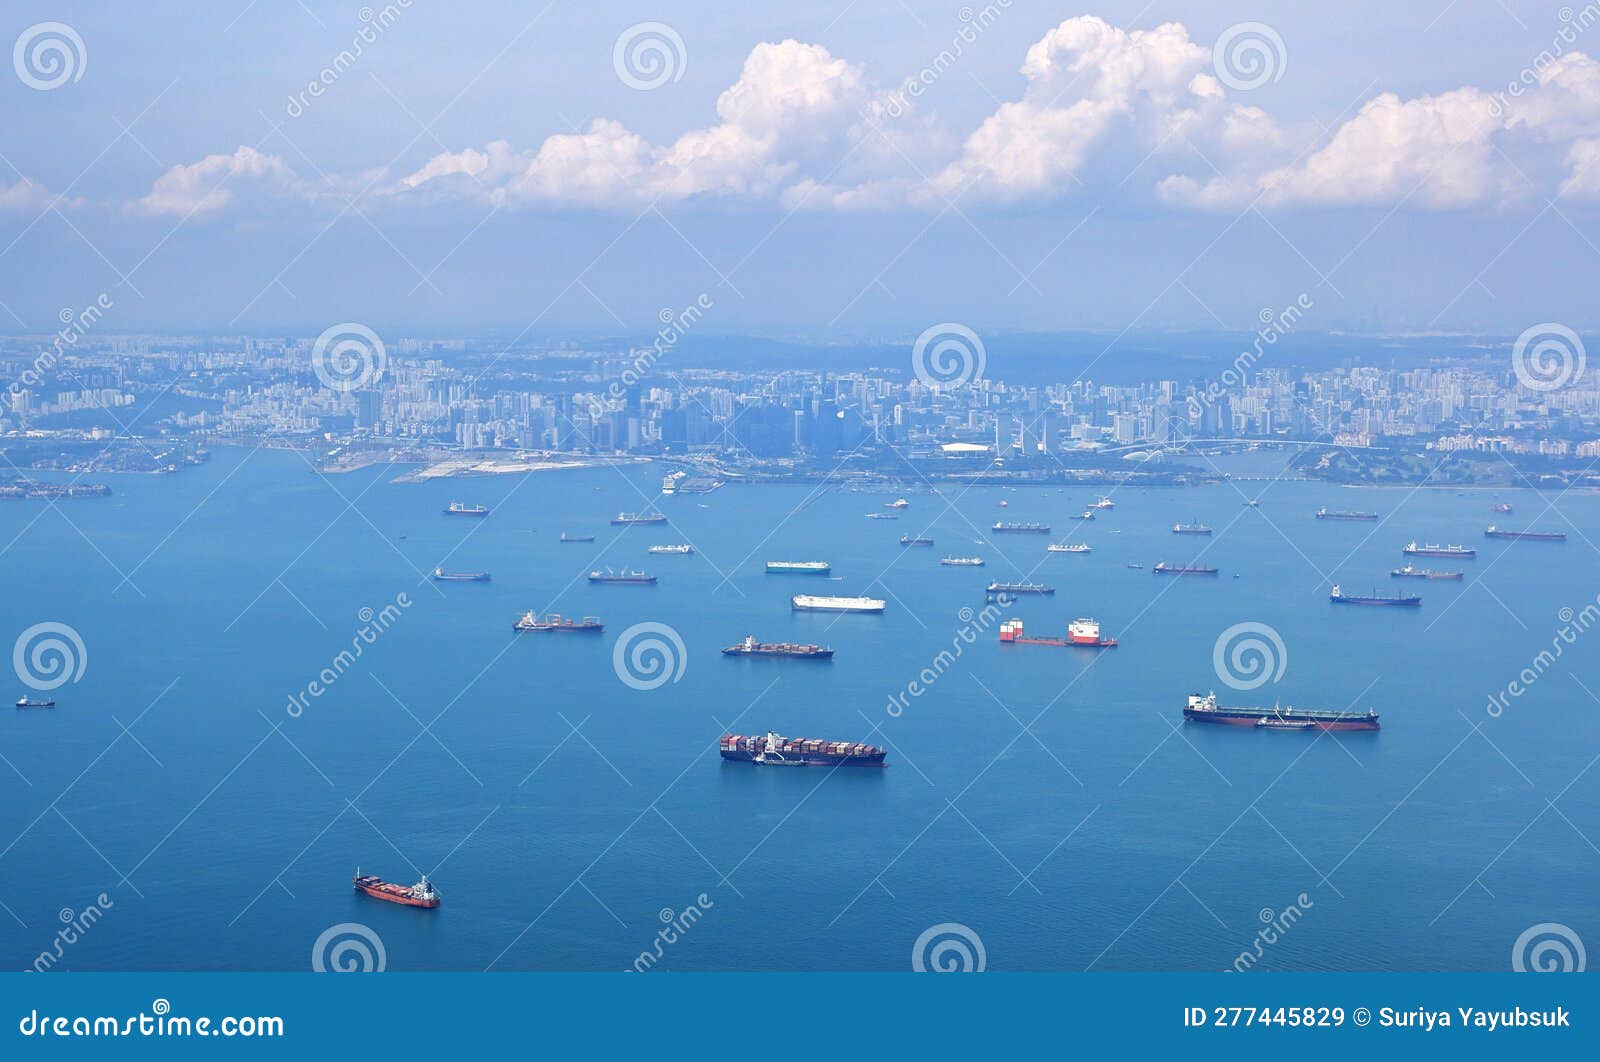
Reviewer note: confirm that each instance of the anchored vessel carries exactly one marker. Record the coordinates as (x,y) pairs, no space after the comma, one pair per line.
(683,549)
(1076,547)
(624,577)
(1339,597)
(1339,514)
(1081,632)
(630,519)
(883,516)
(1207,710)
(576,538)
(1163,568)
(961,562)
(1411,572)
(775,750)
(798,567)
(1190,529)
(1500,507)
(898,503)
(1432,550)
(1020,588)
(1021,529)
(1087,514)
(458,509)
(23,702)
(907,540)
(815,603)
(1525,536)
(421,894)
(442,576)
(555,621)
(751,647)
(1104,502)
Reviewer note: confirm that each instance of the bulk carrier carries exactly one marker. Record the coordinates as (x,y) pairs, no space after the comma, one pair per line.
(1431,550)
(458,509)
(1207,710)
(1411,572)
(555,621)
(632,519)
(751,647)
(907,540)
(1021,529)
(1339,514)
(442,576)
(622,578)
(1190,529)
(421,894)
(1525,536)
(775,750)
(1163,568)
(1339,597)
(997,589)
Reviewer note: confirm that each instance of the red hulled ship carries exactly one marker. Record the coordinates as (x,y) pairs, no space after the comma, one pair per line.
(421,894)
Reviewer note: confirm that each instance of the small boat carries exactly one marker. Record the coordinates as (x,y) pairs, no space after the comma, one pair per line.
(442,576)
(681,550)
(576,538)
(23,702)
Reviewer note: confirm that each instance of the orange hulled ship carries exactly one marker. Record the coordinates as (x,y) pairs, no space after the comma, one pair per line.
(421,894)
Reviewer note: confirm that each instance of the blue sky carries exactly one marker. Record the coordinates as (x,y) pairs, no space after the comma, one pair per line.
(485,167)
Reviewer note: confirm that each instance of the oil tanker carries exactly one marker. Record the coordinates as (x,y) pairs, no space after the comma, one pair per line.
(1524,536)
(421,894)
(775,750)
(751,647)
(1339,597)
(1207,710)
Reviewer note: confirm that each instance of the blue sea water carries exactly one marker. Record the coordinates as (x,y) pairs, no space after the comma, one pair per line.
(1050,800)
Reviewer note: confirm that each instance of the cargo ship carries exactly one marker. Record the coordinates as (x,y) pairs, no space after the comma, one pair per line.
(1019,588)
(1104,502)
(421,894)
(1163,568)
(775,750)
(1190,529)
(1084,633)
(1433,550)
(683,550)
(576,538)
(1076,547)
(815,603)
(907,540)
(442,576)
(1339,597)
(1525,536)
(633,519)
(798,567)
(1412,572)
(883,516)
(23,702)
(555,621)
(1500,507)
(1340,514)
(1021,529)
(1207,710)
(458,509)
(623,578)
(751,647)
(961,562)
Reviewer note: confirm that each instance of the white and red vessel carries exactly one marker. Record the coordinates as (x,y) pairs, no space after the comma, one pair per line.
(1080,632)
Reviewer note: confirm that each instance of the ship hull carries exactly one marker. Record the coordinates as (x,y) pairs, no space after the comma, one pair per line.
(377,892)
(1379,602)
(1244,717)
(837,608)
(1443,554)
(820,654)
(1527,536)
(804,759)
(798,571)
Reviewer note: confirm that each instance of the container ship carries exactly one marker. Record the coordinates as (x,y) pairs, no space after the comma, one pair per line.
(1207,710)
(458,509)
(683,550)
(814,603)
(1525,536)
(23,702)
(1339,597)
(751,647)
(907,540)
(961,562)
(442,576)
(775,750)
(1432,550)
(1021,529)
(1163,568)
(1190,529)
(576,538)
(421,894)
(1412,572)
(1081,632)
(1340,514)
(1076,547)
(1104,502)
(633,519)
(623,578)
(994,589)
(555,621)
(798,567)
